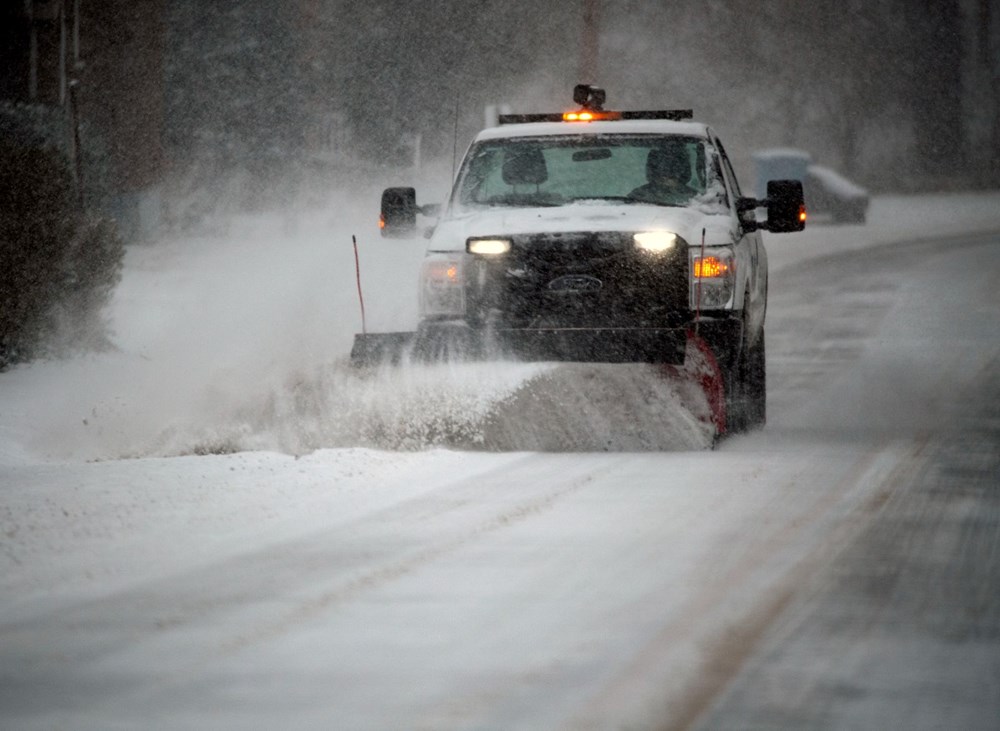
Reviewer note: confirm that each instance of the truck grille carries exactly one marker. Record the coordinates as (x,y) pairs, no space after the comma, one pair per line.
(585,280)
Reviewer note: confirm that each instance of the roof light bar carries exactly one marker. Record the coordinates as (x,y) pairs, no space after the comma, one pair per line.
(585,115)
(591,100)
(528,118)
(675,115)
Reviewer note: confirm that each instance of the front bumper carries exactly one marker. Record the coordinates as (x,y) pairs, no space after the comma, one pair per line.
(595,345)
(575,344)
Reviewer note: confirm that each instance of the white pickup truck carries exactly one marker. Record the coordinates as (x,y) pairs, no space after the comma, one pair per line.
(598,236)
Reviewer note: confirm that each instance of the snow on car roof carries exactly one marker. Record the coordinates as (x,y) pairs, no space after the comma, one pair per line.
(644,126)
(781,152)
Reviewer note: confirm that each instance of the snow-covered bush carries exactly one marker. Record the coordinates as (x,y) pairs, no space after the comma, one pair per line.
(59,263)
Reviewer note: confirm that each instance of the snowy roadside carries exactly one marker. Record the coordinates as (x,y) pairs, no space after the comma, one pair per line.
(88,530)
(891,219)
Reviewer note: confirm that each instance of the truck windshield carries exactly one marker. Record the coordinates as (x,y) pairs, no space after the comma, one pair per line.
(527,172)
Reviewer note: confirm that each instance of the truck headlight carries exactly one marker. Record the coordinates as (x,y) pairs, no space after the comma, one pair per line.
(655,242)
(488,247)
(442,286)
(713,278)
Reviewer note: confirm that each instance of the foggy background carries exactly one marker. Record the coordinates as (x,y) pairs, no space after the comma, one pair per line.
(188,109)
(291,558)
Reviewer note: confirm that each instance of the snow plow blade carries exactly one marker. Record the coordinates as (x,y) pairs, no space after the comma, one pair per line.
(694,370)
(577,345)
(701,370)
(375,348)
(595,345)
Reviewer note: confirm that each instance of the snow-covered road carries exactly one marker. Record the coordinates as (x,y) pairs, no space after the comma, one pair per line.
(764,584)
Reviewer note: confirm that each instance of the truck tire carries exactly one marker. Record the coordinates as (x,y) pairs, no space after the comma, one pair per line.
(735,384)
(756,385)
(745,378)
(734,379)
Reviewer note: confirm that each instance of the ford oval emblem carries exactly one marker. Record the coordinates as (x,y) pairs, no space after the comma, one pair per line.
(576,283)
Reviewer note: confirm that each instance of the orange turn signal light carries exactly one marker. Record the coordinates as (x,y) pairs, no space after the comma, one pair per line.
(802,213)
(710,267)
(442,272)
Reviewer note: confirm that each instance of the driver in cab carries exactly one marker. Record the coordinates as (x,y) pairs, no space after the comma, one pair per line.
(668,172)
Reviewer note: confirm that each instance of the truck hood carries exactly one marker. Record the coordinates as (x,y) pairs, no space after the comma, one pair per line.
(453,230)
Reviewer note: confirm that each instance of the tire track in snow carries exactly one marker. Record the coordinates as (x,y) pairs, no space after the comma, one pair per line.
(239,590)
(373,579)
(835,518)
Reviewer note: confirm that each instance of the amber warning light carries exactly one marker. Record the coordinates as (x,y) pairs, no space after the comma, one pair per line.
(710,267)
(802,213)
(442,271)
(587,116)
(591,100)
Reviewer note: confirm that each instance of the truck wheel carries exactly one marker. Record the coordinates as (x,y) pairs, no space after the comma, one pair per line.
(756,385)
(729,346)
(734,375)
(736,415)
(745,377)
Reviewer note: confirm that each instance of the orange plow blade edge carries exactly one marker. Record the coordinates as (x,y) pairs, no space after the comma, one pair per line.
(701,368)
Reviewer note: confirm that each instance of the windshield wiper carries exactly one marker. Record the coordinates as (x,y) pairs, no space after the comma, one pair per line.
(626,199)
(533,200)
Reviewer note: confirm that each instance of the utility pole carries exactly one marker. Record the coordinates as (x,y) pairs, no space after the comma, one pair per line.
(74,122)
(589,43)
(989,58)
(32,55)
(68,88)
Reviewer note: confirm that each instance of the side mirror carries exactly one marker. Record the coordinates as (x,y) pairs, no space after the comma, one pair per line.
(786,208)
(399,213)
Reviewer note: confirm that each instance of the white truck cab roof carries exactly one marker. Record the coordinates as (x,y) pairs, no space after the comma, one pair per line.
(618,127)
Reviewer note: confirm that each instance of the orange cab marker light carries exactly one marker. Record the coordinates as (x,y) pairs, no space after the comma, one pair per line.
(587,116)
(802,214)
(710,267)
(381,221)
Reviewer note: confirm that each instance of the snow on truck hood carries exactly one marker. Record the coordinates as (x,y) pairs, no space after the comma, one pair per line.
(453,230)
